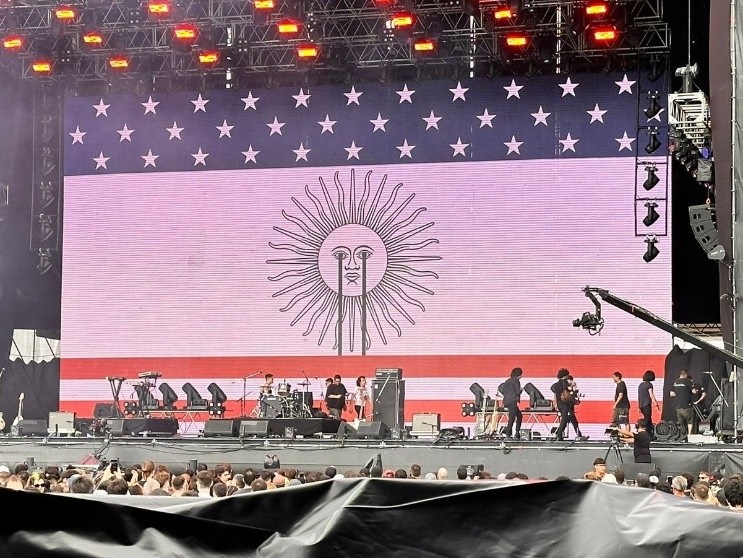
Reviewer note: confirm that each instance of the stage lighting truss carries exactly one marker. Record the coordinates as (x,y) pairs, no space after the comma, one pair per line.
(689,114)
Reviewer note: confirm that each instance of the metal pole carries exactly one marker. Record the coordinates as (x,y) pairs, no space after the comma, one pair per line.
(364,255)
(735,270)
(340,305)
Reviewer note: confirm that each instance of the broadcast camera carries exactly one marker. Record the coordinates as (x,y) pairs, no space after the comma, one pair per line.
(590,322)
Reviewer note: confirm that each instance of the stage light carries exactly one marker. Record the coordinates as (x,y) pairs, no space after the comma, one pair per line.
(13,43)
(218,396)
(209,57)
(288,27)
(604,34)
(93,39)
(652,215)
(45,258)
(118,62)
(158,9)
(65,14)
(308,51)
(517,40)
(502,14)
(597,9)
(652,251)
(652,179)
(185,32)
(653,143)
(402,20)
(424,46)
(654,107)
(169,396)
(193,397)
(265,5)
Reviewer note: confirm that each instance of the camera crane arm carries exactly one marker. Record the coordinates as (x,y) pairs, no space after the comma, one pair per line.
(652,319)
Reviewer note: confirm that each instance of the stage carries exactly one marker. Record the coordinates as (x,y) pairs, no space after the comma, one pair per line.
(536,458)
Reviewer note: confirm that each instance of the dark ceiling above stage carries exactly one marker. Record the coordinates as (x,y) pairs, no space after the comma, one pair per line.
(29,300)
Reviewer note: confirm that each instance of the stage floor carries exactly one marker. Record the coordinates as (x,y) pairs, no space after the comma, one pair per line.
(536,458)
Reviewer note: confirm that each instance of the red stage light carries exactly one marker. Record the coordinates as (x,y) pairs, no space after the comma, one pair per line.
(604,34)
(13,42)
(118,62)
(424,46)
(597,9)
(501,14)
(307,51)
(185,32)
(209,57)
(41,66)
(516,41)
(288,27)
(402,20)
(93,38)
(158,9)
(65,13)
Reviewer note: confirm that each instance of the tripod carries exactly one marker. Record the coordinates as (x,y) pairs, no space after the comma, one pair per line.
(614,447)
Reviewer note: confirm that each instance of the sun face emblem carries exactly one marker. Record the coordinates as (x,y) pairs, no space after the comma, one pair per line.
(356,261)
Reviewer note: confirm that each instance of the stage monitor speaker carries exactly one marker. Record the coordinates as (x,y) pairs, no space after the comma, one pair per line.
(29,427)
(256,428)
(345,430)
(376,430)
(105,410)
(146,427)
(389,403)
(214,428)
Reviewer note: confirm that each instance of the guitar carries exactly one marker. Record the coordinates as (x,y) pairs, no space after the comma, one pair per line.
(19,417)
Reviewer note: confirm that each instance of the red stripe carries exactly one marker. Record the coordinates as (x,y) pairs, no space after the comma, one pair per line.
(450,411)
(485,366)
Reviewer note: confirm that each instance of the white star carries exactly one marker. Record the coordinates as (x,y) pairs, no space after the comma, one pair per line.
(250,154)
(301,152)
(657,116)
(175,131)
(513,145)
(301,98)
(327,125)
(149,159)
(406,94)
(459,92)
(568,88)
(101,108)
(353,97)
(249,101)
(199,158)
(126,134)
(432,121)
(100,161)
(597,114)
(568,144)
(224,129)
(353,151)
(406,149)
(379,123)
(486,119)
(541,116)
(150,105)
(275,126)
(200,104)
(625,142)
(513,89)
(459,147)
(625,85)
(77,136)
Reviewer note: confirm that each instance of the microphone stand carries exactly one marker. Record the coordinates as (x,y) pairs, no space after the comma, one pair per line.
(245,393)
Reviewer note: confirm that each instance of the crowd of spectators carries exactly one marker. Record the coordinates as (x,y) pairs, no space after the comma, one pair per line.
(152,479)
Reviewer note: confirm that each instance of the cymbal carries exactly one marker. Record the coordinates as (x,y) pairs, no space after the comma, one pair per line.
(303,384)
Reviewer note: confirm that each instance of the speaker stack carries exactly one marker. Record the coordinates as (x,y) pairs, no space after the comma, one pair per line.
(389,399)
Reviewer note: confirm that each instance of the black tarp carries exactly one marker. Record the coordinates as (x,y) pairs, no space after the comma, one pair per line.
(375,517)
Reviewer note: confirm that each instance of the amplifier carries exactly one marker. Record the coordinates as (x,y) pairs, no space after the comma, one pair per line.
(426,425)
(391,373)
(525,434)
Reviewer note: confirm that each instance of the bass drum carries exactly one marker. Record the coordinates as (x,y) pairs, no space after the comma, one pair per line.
(271,407)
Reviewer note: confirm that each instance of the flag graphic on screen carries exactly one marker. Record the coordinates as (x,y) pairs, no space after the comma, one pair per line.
(210,232)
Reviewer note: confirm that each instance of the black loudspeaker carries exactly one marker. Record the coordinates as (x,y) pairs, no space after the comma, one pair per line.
(376,430)
(702,219)
(727,403)
(257,428)
(389,402)
(345,430)
(143,426)
(29,427)
(105,410)
(221,427)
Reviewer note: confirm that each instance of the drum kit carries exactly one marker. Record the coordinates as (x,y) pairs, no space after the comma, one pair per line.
(287,403)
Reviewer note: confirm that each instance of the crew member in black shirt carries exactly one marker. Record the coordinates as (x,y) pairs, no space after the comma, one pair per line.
(681,390)
(511,397)
(640,441)
(620,415)
(335,397)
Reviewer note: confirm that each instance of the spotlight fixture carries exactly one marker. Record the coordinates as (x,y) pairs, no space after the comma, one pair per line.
(118,62)
(218,395)
(402,20)
(45,261)
(158,9)
(652,179)
(424,46)
(288,28)
(652,215)
(93,39)
(193,397)
(653,143)
(13,43)
(516,40)
(652,251)
(307,51)
(169,396)
(604,35)
(654,107)
(65,14)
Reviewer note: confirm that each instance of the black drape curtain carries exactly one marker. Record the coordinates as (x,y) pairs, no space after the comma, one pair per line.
(39,384)
(697,362)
